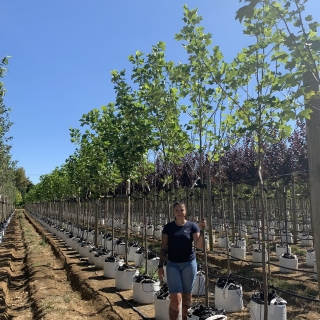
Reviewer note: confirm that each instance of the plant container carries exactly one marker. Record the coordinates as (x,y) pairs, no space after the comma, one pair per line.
(307,240)
(277,307)
(133,247)
(120,247)
(281,249)
(238,252)
(310,257)
(110,266)
(222,242)
(144,289)
(228,295)
(201,312)
(257,257)
(99,259)
(161,304)
(288,261)
(124,277)
(199,284)
(139,257)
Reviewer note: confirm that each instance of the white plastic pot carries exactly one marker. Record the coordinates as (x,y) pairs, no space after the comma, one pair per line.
(109,243)
(131,254)
(282,249)
(288,263)
(257,258)
(99,261)
(150,229)
(153,264)
(138,259)
(287,237)
(310,258)
(307,241)
(110,267)
(238,253)
(222,242)
(124,279)
(230,300)
(144,292)
(275,311)
(161,309)
(120,248)
(199,285)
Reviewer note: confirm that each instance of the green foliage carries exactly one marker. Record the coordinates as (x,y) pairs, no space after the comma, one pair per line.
(7,165)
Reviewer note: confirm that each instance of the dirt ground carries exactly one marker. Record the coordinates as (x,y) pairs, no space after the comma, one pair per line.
(40,278)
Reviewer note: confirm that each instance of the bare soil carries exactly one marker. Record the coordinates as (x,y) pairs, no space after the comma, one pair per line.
(40,278)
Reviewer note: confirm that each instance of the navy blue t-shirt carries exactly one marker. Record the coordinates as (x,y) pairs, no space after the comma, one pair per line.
(180,240)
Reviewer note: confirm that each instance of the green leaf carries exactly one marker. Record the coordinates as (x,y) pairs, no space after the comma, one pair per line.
(305,114)
(316,45)
(308,18)
(246,11)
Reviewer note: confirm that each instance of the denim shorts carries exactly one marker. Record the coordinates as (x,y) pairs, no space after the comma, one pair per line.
(181,276)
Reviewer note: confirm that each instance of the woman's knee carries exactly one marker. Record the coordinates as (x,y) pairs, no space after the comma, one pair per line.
(175,300)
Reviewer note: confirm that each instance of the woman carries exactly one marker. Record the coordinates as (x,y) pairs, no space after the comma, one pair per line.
(178,238)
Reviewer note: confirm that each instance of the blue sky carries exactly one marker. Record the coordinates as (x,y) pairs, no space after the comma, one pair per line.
(63,51)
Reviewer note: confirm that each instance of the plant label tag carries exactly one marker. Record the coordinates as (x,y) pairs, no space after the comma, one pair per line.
(194,317)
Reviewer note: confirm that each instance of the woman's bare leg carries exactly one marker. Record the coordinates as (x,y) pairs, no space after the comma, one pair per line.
(186,304)
(174,307)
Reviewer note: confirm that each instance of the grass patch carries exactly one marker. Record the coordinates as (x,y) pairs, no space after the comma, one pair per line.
(43,243)
(298,288)
(298,251)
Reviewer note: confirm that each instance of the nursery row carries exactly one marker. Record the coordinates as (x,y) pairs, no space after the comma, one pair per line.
(112,255)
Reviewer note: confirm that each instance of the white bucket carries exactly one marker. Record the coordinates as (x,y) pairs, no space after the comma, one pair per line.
(215,317)
(257,245)
(150,230)
(199,285)
(241,242)
(120,248)
(153,264)
(99,261)
(110,267)
(84,251)
(138,259)
(161,309)
(310,258)
(238,253)
(158,235)
(230,300)
(307,241)
(136,229)
(144,292)
(124,279)
(219,228)
(275,312)
(288,263)
(287,237)
(91,257)
(255,234)
(109,243)
(222,242)
(131,254)
(281,250)
(257,258)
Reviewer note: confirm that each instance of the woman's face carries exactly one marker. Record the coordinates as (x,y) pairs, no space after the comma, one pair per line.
(180,211)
